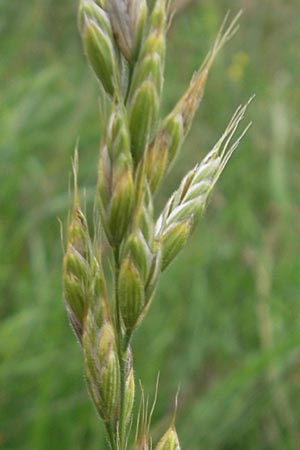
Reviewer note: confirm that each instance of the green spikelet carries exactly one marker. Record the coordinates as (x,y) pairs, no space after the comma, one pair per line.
(76,266)
(174,129)
(90,11)
(173,239)
(187,204)
(109,379)
(163,150)
(136,246)
(100,351)
(169,441)
(140,260)
(127,19)
(101,3)
(121,206)
(98,44)
(97,293)
(143,113)
(137,279)
(115,178)
(147,81)
(131,293)
(102,369)
(146,217)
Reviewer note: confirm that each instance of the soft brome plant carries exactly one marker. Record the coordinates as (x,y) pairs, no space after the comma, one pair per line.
(125,44)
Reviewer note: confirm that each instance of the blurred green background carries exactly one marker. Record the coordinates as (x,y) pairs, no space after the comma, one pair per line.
(225,324)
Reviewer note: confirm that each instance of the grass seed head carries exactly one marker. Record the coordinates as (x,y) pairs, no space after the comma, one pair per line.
(125,43)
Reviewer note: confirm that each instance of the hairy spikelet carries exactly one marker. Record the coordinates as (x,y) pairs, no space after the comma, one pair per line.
(175,127)
(169,441)
(115,177)
(147,80)
(97,36)
(187,204)
(127,20)
(76,265)
(102,368)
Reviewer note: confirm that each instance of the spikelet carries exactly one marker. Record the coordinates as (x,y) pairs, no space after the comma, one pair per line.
(187,204)
(146,86)
(169,441)
(97,36)
(170,137)
(139,263)
(76,264)
(102,368)
(115,179)
(139,271)
(127,20)
(131,293)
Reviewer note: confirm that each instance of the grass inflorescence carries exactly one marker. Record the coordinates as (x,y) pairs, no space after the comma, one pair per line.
(125,45)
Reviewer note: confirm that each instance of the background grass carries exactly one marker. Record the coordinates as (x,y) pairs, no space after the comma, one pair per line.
(225,322)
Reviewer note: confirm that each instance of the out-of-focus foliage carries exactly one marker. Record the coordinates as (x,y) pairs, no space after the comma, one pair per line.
(225,322)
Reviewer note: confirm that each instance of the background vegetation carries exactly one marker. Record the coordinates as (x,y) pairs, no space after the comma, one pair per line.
(225,323)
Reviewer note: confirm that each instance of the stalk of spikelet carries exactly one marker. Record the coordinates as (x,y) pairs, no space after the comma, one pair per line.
(187,203)
(168,141)
(76,265)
